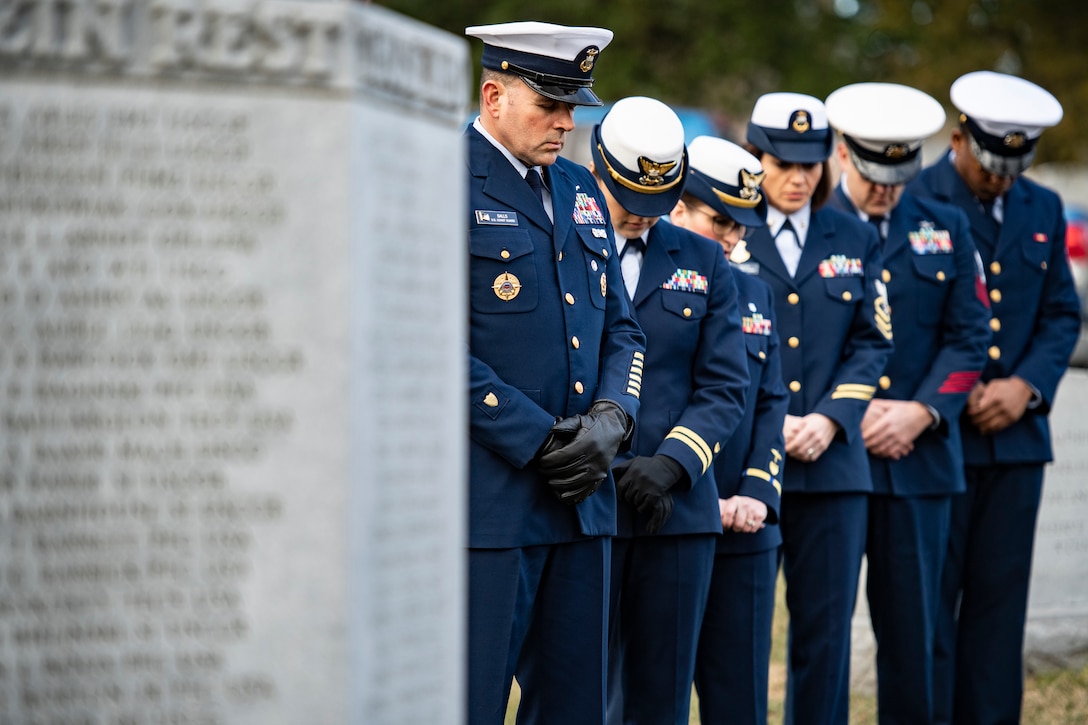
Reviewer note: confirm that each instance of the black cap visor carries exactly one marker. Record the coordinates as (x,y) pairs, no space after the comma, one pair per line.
(812,147)
(578,96)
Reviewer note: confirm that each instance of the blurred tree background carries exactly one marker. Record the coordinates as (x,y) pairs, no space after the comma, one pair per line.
(720,55)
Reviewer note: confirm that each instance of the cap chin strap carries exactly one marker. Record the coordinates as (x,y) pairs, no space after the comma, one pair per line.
(546,79)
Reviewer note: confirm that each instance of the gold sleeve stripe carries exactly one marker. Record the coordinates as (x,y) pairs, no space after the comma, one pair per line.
(857,387)
(693,441)
(854,392)
(764,476)
(639,356)
(635,392)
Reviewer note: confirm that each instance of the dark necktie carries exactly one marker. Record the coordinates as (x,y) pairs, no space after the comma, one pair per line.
(631,264)
(878,222)
(990,223)
(634,245)
(789,246)
(532,177)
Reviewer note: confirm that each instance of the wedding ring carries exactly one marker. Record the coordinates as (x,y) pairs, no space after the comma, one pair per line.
(811,452)
(751,523)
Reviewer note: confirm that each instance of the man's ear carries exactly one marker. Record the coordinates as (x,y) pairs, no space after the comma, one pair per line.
(491,97)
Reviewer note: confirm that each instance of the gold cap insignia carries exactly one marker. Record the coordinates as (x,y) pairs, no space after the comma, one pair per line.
(800,122)
(653,172)
(751,183)
(506,286)
(1015,140)
(896,151)
(491,401)
(587,63)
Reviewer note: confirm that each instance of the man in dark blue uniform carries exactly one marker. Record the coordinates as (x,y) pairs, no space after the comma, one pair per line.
(685,301)
(555,362)
(911,428)
(1019,230)
(722,200)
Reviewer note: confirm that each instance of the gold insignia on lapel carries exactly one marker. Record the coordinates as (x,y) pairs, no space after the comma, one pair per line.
(653,172)
(896,151)
(1015,140)
(800,122)
(491,401)
(587,63)
(506,286)
(604,285)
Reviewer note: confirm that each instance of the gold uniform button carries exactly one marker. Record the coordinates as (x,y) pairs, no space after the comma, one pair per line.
(995,295)
(995,352)
(847,296)
(940,275)
(762,355)
(793,298)
(687,312)
(604,251)
(575,342)
(505,254)
(995,267)
(885,382)
(995,324)
(579,388)
(795,386)
(886,276)
(569,298)
(560,257)
(1043,265)
(793,342)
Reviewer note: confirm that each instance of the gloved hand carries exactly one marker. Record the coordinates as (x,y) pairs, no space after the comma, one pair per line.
(644,482)
(578,451)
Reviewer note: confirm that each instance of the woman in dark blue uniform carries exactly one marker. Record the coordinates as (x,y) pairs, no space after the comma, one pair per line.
(692,397)
(824,267)
(721,200)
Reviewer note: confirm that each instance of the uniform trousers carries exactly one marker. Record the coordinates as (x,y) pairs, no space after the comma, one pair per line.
(540,613)
(908,541)
(978,653)
(734,658)
(823,540)
(659,591)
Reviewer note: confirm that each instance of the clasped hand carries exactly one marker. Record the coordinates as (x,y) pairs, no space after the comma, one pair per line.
(578,451)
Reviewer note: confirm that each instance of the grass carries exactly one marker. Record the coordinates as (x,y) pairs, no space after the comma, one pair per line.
(1054,698)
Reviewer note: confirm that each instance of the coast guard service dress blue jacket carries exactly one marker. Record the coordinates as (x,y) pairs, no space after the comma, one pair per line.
(941,321)
(696,373)
(835,327)
(1033,300)
(549,332)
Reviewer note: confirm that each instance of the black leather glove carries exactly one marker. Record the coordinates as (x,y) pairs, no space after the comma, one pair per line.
(644,482)
(579,450)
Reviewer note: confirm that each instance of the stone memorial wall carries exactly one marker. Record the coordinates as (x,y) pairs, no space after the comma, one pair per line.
(231,376)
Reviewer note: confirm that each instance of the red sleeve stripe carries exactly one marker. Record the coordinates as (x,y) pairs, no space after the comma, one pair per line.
(961,382)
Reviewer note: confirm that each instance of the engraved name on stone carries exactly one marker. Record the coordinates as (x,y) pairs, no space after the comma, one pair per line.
(133,388)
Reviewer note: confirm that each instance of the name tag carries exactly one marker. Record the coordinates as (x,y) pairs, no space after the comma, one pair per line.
(497,218)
